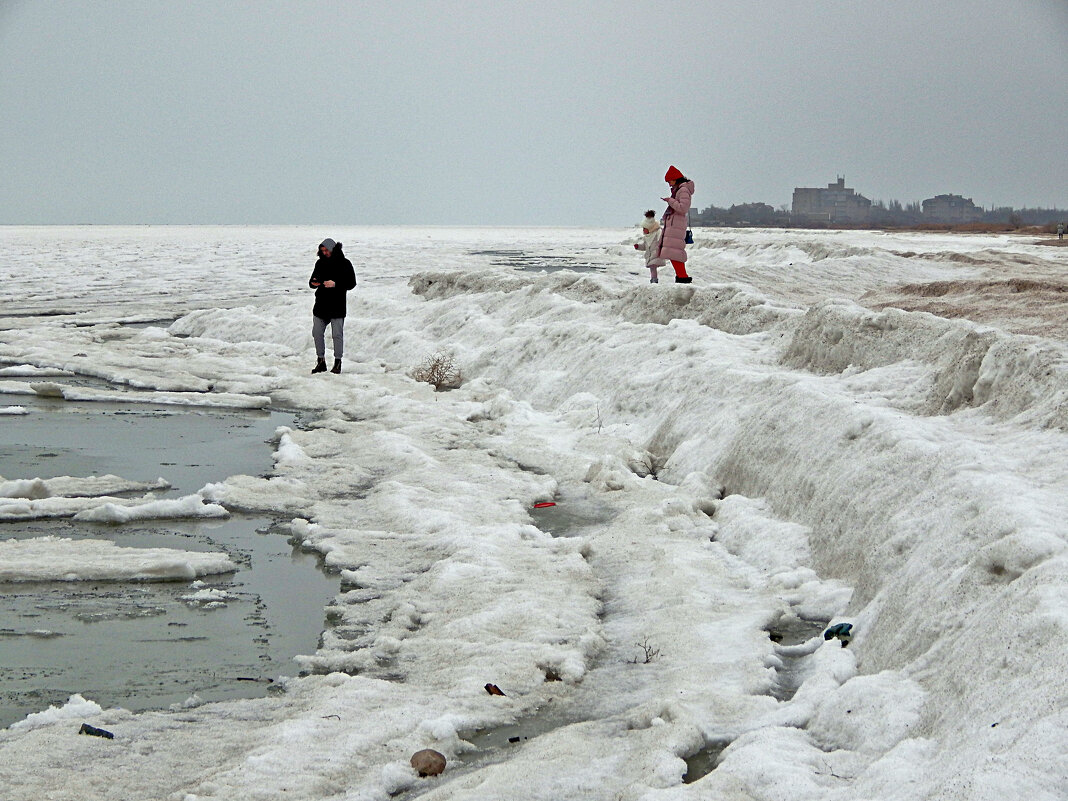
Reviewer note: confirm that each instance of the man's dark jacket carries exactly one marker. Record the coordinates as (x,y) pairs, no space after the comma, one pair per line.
(330,302)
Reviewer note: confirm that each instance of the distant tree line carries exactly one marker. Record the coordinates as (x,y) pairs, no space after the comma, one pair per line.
(889,214)
(911,214)
(743,214)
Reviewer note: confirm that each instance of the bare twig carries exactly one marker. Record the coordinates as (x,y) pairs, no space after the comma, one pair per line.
(650,653)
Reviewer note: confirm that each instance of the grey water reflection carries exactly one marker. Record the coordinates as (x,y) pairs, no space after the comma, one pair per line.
(152,645)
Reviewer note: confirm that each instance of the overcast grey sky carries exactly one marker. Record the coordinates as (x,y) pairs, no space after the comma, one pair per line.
(496,112)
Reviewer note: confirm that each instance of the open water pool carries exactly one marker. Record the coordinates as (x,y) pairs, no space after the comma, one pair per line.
(142,645)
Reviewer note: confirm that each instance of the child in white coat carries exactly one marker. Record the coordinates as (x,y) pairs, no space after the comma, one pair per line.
(651,244)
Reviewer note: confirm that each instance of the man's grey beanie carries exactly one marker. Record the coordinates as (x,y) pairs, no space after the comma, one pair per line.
(328,244)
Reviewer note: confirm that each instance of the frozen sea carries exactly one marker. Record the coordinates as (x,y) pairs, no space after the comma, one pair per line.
(825,427)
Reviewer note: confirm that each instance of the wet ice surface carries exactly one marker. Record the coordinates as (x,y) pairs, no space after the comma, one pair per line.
(151,645)
(526,261)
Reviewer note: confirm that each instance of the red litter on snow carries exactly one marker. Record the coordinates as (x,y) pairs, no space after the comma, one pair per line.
(543,504)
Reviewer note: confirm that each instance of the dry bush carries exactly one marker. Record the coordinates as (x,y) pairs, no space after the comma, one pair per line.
(440,371)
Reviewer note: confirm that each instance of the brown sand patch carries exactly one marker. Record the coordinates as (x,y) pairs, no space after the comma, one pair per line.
(1011,285)
(1018,305)
(995,259)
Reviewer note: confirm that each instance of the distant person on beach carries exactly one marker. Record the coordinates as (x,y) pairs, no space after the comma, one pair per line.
(332,277)
(650,244)
(1060,230)
(676,222)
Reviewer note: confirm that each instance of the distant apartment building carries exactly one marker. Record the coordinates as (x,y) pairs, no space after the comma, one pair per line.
(951,209)
(835,204)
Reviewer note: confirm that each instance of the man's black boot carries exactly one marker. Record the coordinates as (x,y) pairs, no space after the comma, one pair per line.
(320,366)
(337,366)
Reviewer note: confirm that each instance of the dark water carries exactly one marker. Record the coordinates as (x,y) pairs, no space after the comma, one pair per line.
(704,761)
(146,645)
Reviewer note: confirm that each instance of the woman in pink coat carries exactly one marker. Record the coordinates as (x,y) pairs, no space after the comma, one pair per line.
(675,223)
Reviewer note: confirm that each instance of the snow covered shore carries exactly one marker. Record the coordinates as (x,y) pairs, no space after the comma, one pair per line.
(776,441)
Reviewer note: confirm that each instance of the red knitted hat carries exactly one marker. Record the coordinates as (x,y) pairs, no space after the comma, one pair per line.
(673,174)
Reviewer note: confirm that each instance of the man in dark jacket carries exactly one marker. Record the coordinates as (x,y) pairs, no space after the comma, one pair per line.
(332,277)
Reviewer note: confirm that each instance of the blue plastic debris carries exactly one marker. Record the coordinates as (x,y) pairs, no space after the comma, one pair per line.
(840,631)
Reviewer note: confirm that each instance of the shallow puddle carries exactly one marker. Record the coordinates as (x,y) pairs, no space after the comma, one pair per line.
(795,630)
(786,634)
(512,734)
(153,645)
(495,744)
(574,511)
(704,761)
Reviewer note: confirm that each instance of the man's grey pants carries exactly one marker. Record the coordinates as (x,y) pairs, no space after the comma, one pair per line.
(337,331)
